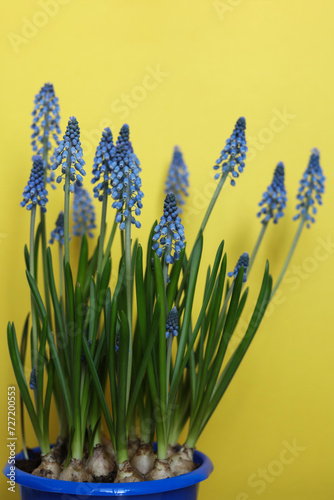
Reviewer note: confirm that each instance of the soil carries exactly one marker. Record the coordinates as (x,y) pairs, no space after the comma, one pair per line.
(29,465)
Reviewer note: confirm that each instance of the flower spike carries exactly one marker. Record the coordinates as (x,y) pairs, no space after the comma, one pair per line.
(33,379)
(103,164)
(177,179)
(69,155)
(169,233)
(274,199)
(58,233)
(35,193)
(45,125)
(231,160)
(83,212)
(242,262)
(312,186)
(172,323)
(125,181)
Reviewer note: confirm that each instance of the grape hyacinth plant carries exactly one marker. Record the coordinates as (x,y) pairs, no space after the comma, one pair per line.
(122,348)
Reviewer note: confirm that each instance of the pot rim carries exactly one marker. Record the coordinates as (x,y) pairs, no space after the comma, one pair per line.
(111,489)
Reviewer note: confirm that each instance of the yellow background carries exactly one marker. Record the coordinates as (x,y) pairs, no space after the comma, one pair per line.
(217,61)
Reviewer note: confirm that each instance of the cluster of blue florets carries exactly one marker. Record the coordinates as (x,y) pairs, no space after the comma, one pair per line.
(45,125)
(177,179)
(69,155)
(58,233)
(33,379)
(172,323)
(232,158)
(125,181)
(274,199)
(104,162)
(83,213)
(35,193)
(242,262)
(312,186)
(169,233)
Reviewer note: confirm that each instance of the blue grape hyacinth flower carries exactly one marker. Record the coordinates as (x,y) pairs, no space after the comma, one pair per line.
(58,233)
(169,233)
(232,157)
(35,193)
(172,323)
(177,180)
(125,181)
(45,126)
(242,262)
(104,162)
(68,155)
(312,186)
(83,213)
(33,379)
(274,199)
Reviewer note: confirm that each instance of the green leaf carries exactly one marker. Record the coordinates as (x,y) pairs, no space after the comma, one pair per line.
(83,261)
(238,355)
(98,388)
(62,340)
(121,435)
(173,280)
(21,380)
(27,257)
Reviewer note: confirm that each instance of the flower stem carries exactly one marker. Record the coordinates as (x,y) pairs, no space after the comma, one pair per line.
(61,272)
(67,213)
(287,261)
(102,230)
(128,274)
(257,245)
(109,244)
(201,229)
(212,202)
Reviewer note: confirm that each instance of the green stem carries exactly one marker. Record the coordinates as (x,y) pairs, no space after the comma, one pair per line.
(61,272)
(201,229)
(109,244)
(212,203)
(67,212)
(287,261)
(45,270)
(102,230)
(257,246)
(128,278)
(32,272)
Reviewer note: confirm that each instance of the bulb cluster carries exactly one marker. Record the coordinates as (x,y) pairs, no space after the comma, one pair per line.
(312,186)
(35,193)
(177,179)
(274,199)
(169,233)
(232,157)
(68,155)
(125,181)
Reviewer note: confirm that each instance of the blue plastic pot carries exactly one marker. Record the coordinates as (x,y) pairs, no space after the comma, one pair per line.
(177,488)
